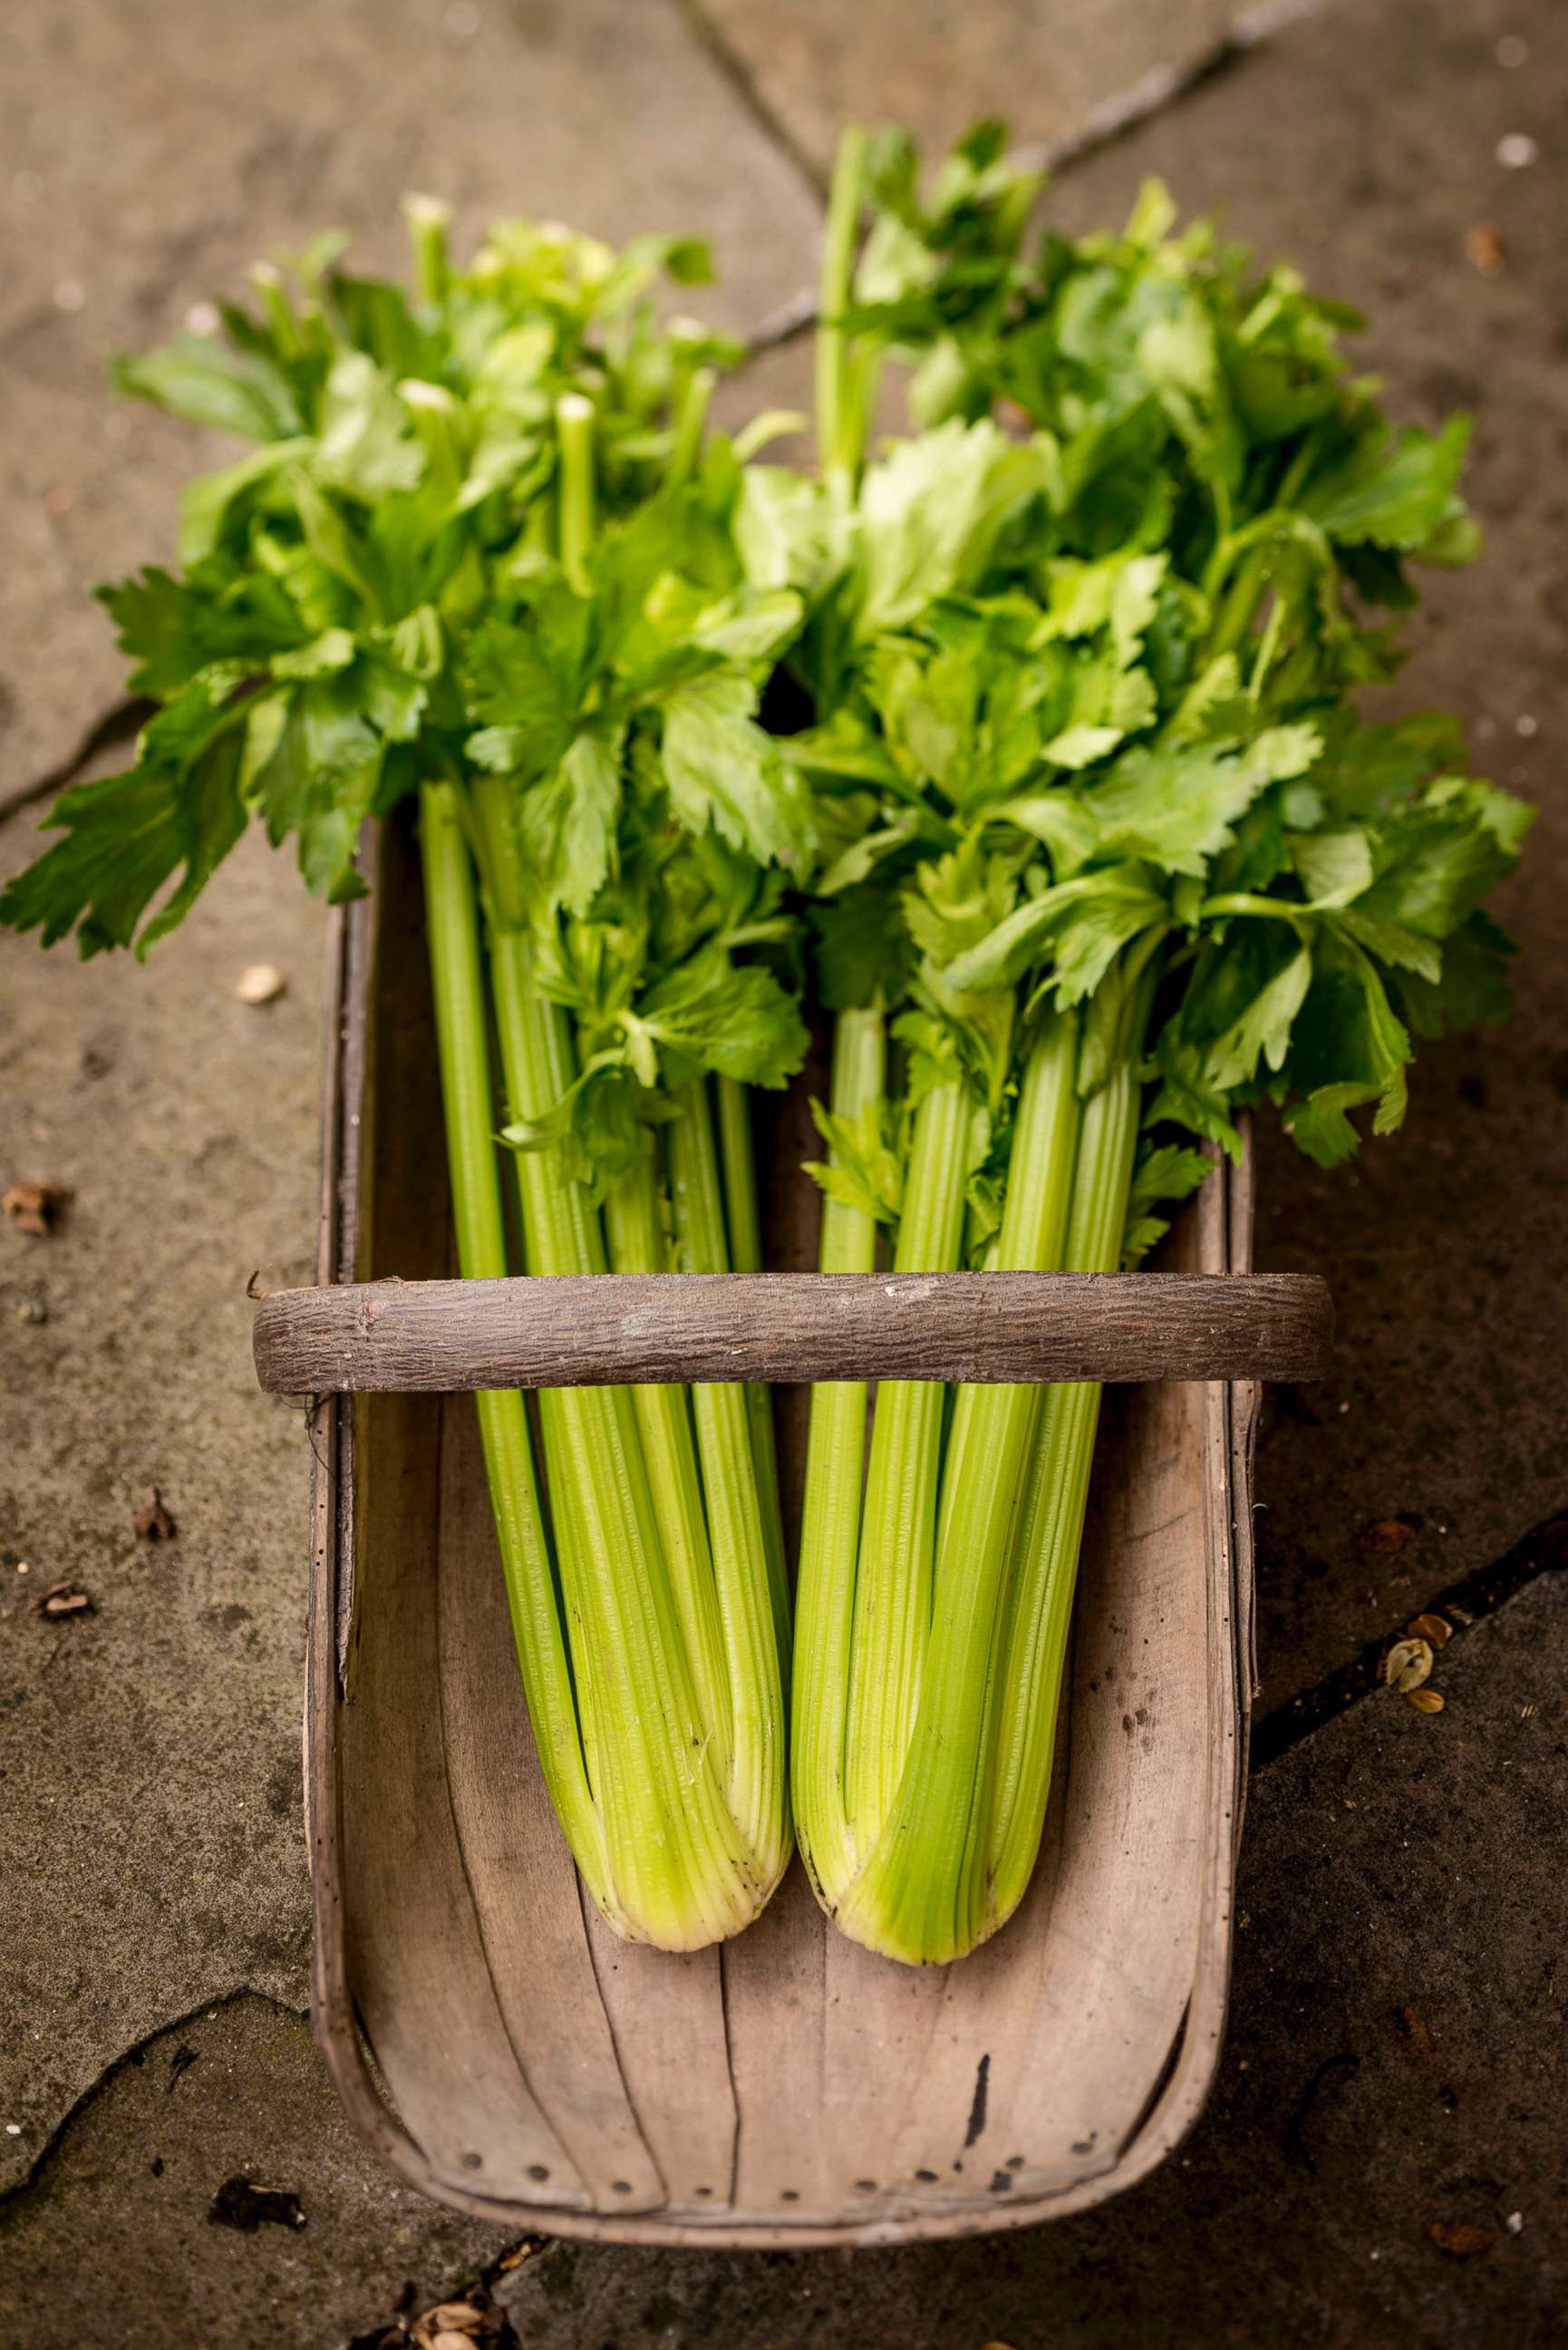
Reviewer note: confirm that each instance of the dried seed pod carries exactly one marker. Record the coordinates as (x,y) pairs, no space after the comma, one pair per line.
(1426,1701)
(1460,2239)
(1436,1631)
(1408,1664)
(260,982)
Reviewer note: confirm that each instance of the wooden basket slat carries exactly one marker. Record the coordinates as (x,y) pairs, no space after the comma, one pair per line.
(667,2014)
(464,2007)
(422,1987)
(520,1880)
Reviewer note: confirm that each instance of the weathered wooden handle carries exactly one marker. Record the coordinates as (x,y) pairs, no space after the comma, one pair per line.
(444,1337)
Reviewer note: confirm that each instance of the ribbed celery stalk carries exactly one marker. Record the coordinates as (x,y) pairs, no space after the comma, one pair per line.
(681,1869)
(910,1896)
(744,1227)
(830,1520)
(954,1851)
(672,1628)
(637,1245)
(1045,1557)
(897,1537)
(753,1599)
(840,420)
(453,927)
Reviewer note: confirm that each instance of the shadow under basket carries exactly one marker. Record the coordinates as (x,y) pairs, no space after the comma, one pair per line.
(490,2038)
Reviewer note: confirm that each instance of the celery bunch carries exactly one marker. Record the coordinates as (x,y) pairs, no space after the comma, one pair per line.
(1106,856)
(483,556)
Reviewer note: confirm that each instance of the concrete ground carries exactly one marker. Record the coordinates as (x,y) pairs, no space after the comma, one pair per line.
(1395,2061)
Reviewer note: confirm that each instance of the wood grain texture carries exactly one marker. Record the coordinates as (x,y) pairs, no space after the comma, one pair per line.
(448,1336)
(790,2089)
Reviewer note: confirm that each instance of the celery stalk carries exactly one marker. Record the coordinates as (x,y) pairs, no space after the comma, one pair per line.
(911,1895)
(893,1586)
(637,1245)
(744,1227)
(1051,1531)
(830,1523)
(681,1866)
(753,1606)
(453,926)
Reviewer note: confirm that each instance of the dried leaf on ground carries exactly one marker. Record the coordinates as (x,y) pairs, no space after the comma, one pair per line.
(1386,1535)
(1408,1664)
(239,2204)
(1413,2030)
(1488,252)
(35,1208)
(1462,2240)
(152,1520)
(60,1600)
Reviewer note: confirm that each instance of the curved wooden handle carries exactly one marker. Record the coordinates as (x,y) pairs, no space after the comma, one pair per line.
(444,1337)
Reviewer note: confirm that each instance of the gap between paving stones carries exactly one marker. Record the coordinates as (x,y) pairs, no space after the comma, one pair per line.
(1115,117)
(743,81)
(1543,1551)
(204,2009)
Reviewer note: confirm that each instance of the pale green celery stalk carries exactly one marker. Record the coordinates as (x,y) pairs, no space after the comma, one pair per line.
(744,1227)
(452,927)
(666,1718)
(839,422)
(428,219)
(575,440)
(1233,620)
(754,1606)
(1051,1531)
(637,1245)
(916,1895)
(898,1522)
(681,1870)
(830,1521)
(691,418)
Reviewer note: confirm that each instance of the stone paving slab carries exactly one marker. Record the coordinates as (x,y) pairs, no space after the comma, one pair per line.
(1053,68)
(117,2245)
(152,154)
(1365,143)
(151,1846)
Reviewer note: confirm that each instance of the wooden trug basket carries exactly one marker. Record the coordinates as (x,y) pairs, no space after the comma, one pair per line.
(495,2044)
